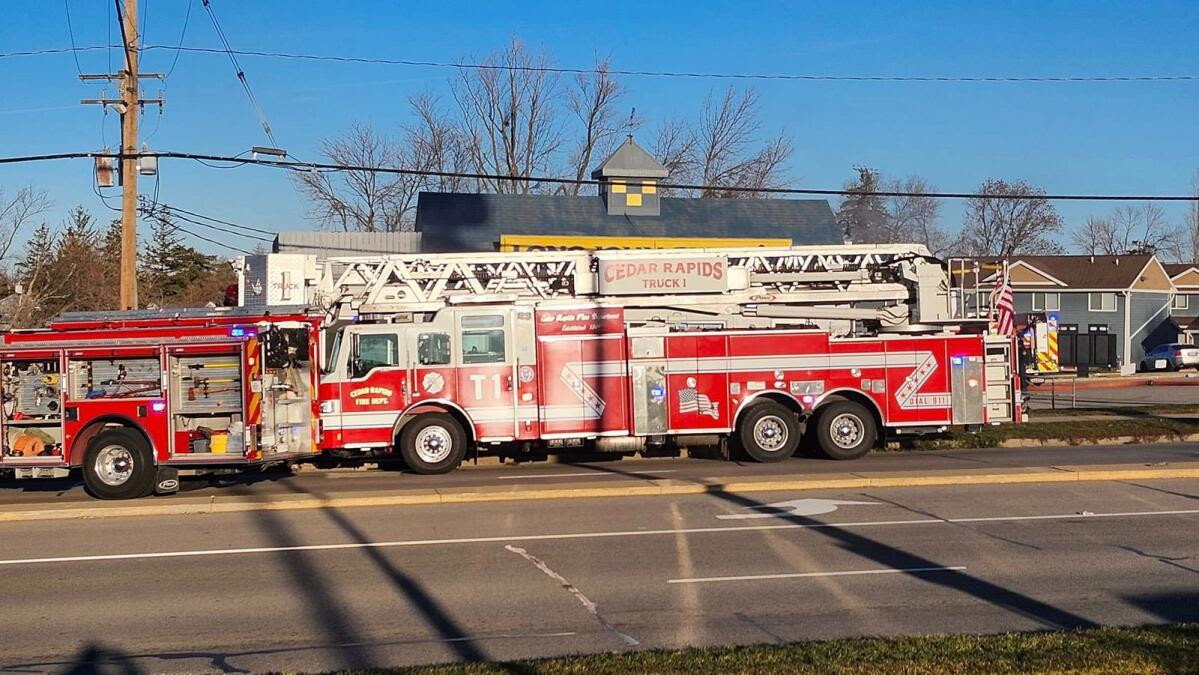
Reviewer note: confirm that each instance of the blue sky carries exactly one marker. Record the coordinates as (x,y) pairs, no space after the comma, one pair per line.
(1064,137)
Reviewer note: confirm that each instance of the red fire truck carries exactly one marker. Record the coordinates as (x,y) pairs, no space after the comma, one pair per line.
(131,398)
(430,355)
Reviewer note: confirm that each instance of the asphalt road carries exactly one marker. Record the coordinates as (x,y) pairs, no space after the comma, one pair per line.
(26,493)
(324,589)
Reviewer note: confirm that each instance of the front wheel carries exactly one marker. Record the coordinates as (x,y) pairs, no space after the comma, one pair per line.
(768,432)
(845,430)
(118,464)
(433,443)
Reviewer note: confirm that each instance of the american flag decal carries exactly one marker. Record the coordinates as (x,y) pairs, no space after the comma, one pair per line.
(691,401)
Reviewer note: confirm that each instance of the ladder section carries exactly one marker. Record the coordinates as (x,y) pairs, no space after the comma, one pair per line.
(798,275)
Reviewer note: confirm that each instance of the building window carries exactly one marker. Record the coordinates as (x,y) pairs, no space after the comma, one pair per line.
(1179,302)
(1046,302)
(1101,302)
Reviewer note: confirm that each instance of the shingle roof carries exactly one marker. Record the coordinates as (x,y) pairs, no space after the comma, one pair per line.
(630,161)
(1174,269)
(474,222)
(1084,271)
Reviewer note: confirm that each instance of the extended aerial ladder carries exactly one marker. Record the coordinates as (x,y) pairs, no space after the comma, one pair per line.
(844,289)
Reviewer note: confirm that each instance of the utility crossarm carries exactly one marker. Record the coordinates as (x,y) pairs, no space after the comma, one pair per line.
(887,283)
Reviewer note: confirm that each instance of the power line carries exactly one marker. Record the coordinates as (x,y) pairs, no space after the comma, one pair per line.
(212,241)
(223,222)
(125,37)
(172,213)
(313,166)
(323,166)
(182,34)
(688,74)
(803,77)
(66,5)
(52,50)
(241,74)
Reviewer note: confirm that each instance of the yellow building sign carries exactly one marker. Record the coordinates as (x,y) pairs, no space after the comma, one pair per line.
(537,242)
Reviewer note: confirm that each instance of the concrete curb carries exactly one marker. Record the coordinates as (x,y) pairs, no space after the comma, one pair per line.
(1112,472)
(1114,440)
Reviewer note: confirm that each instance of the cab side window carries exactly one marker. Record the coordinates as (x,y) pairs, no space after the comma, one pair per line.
(433,349)
(483,339)
(380,350)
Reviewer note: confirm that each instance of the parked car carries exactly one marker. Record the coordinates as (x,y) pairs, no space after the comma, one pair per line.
(1171,356)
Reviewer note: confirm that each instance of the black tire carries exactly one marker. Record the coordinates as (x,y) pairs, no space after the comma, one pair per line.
(423,441)
(845,430)
(768,432)
(118,464)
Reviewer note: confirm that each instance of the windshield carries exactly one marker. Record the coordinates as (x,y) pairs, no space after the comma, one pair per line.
(334,351)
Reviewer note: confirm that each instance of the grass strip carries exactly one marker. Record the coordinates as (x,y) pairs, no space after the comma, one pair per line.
(1139,651)
(1118,411)
(1143,429)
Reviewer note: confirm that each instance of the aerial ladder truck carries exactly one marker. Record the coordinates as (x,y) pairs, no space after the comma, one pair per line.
(433,356)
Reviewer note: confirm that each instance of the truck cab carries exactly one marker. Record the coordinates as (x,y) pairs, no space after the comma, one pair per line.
(475,365)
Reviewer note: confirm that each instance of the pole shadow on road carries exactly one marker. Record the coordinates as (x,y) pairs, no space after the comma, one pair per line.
(451,634)
(955,580)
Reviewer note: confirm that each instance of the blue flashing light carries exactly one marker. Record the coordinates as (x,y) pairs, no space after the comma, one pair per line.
(957,360)
(158,406)
(237,332)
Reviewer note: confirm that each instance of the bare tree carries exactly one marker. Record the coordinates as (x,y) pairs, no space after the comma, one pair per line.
(916,216)
(595,101)
(17,212)
(360,199)
(1130,229)
(435,144)
(1011,219)
(674,147)
(509,117)
(728,151)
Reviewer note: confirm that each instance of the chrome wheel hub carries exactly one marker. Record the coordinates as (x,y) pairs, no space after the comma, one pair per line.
(434,444)
(114,465)
(847,431)
(770,433)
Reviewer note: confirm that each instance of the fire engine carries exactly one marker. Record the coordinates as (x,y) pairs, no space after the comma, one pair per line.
(132,398)
(432,355)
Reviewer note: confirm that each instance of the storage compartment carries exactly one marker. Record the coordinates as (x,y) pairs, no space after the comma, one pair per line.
(32,402)
(207,415)
(118,377)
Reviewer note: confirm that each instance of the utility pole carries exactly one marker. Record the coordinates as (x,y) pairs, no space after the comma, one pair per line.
(131,98)
(129,105)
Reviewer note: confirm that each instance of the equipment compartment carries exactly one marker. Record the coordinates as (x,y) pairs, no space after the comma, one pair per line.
(32,396)
(207,414)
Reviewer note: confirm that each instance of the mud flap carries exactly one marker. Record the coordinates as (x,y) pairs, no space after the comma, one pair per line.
(167,482)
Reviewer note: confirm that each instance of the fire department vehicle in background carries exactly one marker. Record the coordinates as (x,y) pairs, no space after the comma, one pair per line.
(130,398)
(433,355)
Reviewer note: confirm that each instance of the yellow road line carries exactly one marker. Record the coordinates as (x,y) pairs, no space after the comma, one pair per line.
(468,495)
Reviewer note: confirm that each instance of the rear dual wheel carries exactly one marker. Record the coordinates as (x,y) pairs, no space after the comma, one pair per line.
(768,432)
(118,464)
(845,430)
